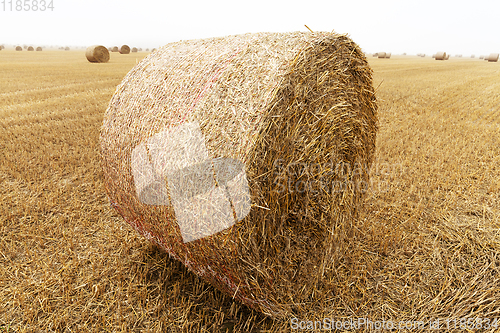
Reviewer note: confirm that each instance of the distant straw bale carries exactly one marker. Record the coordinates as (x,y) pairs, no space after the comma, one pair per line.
(66,48)
(39,48)
(134,49)
(124,49)
(19,48)
(239,116)
(388,55)
(115,49)
(493,57)
(97,53)
(30,48)
(381,54)
(440,56)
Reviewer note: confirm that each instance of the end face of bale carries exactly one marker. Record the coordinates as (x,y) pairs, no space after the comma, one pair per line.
(31,48)
(134,49)
(280,128)
(388,55)
(124,49)
(19,48)
(97,53)
(39,48)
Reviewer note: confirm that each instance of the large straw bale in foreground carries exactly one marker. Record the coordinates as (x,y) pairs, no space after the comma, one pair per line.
(238,156)
(97,53)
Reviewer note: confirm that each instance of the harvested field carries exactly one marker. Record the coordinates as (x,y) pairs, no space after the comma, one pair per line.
(426,244)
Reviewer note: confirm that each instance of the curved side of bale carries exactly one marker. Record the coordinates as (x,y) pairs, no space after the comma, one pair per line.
(19,48)
(124,49)
(255,99)
(381,55)
(39,48)
(493,57)
(97,53)
(134,49)
(440,56)
(30,48)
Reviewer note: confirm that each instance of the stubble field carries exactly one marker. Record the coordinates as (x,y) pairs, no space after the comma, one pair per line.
(427,245)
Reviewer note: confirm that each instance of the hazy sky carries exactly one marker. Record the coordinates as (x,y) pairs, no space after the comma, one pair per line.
(411,26)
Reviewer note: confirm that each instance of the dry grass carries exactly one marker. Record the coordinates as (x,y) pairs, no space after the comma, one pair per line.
(427,245)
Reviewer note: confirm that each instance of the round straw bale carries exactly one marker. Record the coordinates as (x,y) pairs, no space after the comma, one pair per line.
(481,57)
(388,55)
(30,48)
(125,49)
(115,49)
(39,48)
(381,55)
(375,54)
(139,49)
(147,50)
(66,48)
(493,57)
(19,48)
(447,57)
(440,56)
(97,53)
(237,155)
(134,49)
(2,47)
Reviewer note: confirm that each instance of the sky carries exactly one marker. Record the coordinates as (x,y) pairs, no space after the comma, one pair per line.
(397,26)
